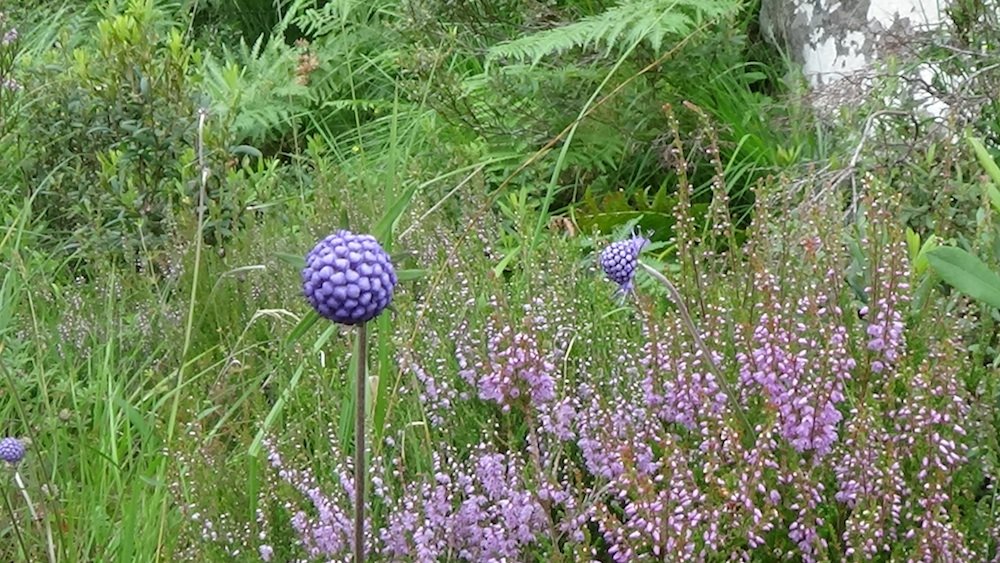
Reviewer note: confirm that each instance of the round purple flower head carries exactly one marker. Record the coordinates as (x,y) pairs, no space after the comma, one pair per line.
(621,259)
(11,450)
(348,278)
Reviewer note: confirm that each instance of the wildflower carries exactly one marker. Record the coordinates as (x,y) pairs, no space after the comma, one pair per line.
(11,450)
(348,278)
(621,259)
(516,365)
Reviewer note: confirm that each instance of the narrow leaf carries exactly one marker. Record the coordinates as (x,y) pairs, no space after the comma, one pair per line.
(247,150)
(303,327)
(383,230)
(985,159)
(293,260)
(279,405)
(992,170)
(410,274)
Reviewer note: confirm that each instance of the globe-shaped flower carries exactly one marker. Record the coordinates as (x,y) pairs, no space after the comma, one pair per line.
(621,259)
(348,278)
(11,450)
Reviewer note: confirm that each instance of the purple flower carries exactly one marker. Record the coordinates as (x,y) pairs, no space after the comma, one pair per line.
(478,509)
(11,450)
(801,361)
(517,366)
(348,278)
(885,331)
(620,260)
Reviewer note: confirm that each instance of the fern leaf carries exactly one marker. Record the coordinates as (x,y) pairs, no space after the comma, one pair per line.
(617,28)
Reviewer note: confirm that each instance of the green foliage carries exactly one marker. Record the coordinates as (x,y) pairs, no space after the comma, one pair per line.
(255,89)
(617,29)
(967,274)
(457,132)
(990,167)
(115,117)
(336,76)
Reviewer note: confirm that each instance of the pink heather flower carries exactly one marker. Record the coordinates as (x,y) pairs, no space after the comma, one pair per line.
(679,385)
(871,483)
(516,368)
(801,361)
(885,330)
(327,530)
(436,391)
(475,510)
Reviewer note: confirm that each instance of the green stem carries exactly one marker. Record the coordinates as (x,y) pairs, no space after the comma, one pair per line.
(203,173)
(359,444)
(50,545)
(675,296)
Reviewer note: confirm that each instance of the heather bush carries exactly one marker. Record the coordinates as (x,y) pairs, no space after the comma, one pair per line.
(649,307)
(556,428)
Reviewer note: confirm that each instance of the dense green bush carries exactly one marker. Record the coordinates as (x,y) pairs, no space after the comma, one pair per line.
(110,132)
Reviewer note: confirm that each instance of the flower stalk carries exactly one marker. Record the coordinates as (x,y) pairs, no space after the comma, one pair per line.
(361,352)
(675,296)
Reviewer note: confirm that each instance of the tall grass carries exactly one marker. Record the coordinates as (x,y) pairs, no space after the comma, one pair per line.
(182,403)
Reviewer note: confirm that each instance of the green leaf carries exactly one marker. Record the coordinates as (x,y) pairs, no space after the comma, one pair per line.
(294,260)
(967,274)
(303,327)
(279,405)
(920,264)
(912,243)
(985,159)
(990,166)
(383,230)
(410,274)
(247,150)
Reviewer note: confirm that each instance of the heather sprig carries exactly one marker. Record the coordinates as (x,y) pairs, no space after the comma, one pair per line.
(10,87)
(474,510)
(327,529)
(801,362)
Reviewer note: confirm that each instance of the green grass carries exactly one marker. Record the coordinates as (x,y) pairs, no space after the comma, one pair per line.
(148,377)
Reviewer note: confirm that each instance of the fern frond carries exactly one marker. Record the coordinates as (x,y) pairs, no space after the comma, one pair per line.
(620,27)
(255,85)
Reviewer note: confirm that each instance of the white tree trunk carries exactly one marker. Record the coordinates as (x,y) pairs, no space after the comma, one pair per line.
(834,40)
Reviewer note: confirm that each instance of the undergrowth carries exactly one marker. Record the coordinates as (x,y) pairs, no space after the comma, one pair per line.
(816,393)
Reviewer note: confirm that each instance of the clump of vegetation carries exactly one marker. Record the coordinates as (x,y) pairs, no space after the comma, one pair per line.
(648,305)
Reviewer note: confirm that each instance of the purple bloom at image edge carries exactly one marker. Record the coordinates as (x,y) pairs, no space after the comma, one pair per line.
(620,260)
(11,450)
(348,278)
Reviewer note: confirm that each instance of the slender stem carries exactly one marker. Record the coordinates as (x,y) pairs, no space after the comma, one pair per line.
(50,545)
(203,174)
(675,296)
(13,523)
(359,444)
